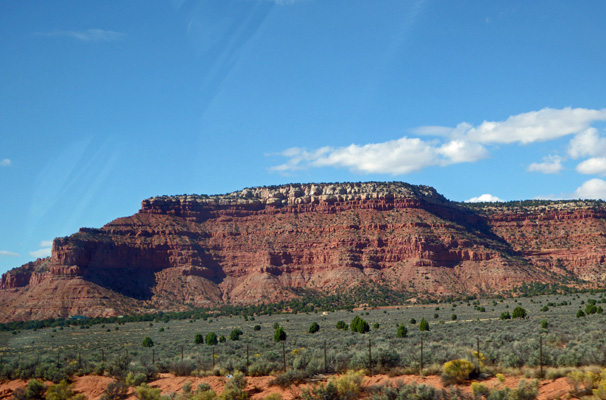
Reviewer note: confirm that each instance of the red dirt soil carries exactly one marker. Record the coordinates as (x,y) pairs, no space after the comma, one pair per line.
(259,387)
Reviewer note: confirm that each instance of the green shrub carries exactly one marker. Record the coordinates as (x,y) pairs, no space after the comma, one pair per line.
(580,314)
(62,391)
(347,387)
(234,388)
(145,392)
(211,339)
(35,389)
(117,390)
(402,331)
(314,327)
(135,379)
(198,339)
(257,327)
(400,390)
(505,315)
(526,390)
(182,368)
(291,377)
(235,334)
(342,325)
(279,334)
(147,342)
(359,325)
(423,325)
(590,309)
(518,312)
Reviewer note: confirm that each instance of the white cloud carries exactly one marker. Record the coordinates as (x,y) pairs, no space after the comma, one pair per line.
(432,130)
(485,198)
(596,165)
(536,126)
(46,243)
(587,143)
(88,35)
(44,251)
(400,156)
(551,164)
(458,151)
(41,253)
(4,253)
(463,143)
(592,189)
(5,163)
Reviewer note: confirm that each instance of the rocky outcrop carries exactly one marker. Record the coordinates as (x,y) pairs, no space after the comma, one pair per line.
(267,244)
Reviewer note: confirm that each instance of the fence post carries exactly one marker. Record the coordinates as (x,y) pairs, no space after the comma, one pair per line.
(247,358)
(213,357)
(182,352)
(153,356)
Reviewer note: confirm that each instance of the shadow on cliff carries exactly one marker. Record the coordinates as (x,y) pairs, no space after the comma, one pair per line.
(131,282)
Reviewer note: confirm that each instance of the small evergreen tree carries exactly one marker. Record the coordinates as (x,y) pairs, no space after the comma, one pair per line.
(147,342)
(359,325)
(424,325)
(211,339)
(198,339)
(505,315)
(314,327)
(342,325)
(279,335)
(402,331)
(580,314)
(235,334)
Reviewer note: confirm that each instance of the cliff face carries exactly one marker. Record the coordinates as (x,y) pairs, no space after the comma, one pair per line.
(262,244)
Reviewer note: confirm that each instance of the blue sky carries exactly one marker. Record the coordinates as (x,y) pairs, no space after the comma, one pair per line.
(106,103)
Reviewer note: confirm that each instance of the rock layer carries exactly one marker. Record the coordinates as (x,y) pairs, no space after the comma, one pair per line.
(266,244)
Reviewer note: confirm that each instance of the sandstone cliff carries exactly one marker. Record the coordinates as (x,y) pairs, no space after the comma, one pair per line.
(267,244)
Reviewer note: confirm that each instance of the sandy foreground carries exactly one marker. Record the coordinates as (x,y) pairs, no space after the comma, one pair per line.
(259,387)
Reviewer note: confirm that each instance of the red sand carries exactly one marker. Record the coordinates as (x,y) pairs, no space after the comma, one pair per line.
(259,387)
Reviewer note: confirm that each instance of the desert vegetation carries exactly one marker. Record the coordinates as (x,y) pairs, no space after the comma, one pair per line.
(542,338)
